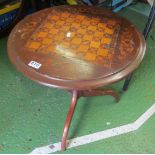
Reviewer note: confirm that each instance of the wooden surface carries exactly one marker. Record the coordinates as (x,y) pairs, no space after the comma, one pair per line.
(76,47)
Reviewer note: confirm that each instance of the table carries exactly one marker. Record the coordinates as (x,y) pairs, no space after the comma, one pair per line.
(76,48)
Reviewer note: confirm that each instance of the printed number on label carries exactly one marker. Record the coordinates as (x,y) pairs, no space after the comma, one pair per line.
(35,64)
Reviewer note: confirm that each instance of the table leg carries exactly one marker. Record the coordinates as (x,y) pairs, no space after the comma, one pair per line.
(126,83)
(75,95)
(100,92)
(69,118)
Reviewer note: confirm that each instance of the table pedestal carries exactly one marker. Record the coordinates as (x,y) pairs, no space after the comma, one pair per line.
(76,94)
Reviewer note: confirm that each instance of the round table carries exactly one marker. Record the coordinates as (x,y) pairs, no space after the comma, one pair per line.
(76,48)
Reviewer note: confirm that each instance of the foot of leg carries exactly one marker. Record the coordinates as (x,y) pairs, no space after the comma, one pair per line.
(69,118)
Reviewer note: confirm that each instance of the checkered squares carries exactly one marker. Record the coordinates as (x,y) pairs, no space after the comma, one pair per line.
(89,38)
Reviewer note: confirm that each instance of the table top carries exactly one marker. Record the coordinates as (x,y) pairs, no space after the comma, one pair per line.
(75,47)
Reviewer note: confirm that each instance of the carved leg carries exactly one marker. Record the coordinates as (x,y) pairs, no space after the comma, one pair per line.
(69,118)
(100,92)
(75,95)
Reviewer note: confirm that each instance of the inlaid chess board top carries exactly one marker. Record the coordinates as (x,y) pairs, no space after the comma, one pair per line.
(75,44)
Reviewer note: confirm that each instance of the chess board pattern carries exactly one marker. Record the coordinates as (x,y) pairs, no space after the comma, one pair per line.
(75,42)
(75,35)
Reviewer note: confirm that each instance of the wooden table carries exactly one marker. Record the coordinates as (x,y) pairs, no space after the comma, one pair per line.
(76,48)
